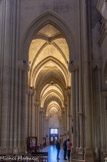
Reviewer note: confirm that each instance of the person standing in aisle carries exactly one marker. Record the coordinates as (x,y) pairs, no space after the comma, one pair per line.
(65,149)
(58,148)
(68,148)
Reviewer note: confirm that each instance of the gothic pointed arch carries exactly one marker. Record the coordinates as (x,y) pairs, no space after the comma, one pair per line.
(52,18)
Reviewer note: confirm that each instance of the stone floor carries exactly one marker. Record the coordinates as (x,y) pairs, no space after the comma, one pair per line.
(52,154)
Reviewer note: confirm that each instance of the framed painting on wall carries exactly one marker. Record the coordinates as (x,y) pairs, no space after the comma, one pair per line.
(32,143)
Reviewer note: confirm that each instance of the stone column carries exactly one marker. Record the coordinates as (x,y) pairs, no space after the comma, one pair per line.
(21,110)
(30,109)
(88,130)
(40,125)
(38,121)
(33,114)
(15,58)
(67,112)
(74,104)
(103,129)
(105,135)
(36,118)
(81,116)
(24,112)
(87,102)
(104,123)
(27,105)
(63,121)
(68,108)
(29,112)
(5,74)
(43,125)
(65,116)
(77,110)
(47,130)
(73,115)
(97,109)
(60,126)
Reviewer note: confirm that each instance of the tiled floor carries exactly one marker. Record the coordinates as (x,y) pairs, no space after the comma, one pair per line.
(52,154)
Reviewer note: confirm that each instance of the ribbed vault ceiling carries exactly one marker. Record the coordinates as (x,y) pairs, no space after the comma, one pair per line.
(48,74)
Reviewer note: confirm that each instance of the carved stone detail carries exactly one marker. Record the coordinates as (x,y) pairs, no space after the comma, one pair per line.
(73,65)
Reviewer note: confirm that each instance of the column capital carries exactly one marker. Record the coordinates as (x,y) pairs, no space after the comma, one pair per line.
(47,118)
(73,65)
(31,91)
(68,91)
(63,110)
(96,64)
(65,103)
(23,65)
(36,103)
(41,110)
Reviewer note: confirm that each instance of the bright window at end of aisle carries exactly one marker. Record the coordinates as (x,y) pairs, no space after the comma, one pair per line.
(53,131)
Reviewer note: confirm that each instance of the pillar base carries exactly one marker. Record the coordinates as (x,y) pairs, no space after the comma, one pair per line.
(80,153)
(3,150)
(73,153)
(89,155)
(15,150)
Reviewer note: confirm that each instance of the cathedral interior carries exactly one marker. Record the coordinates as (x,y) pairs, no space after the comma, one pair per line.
(53,76)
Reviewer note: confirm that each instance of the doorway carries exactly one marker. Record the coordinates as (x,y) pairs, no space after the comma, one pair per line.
(53,135)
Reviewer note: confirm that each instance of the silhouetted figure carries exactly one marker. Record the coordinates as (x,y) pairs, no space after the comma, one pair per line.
(65,149)
(58,148)
(68,148)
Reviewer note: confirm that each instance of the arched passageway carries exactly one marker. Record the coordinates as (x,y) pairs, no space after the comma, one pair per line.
(49,84)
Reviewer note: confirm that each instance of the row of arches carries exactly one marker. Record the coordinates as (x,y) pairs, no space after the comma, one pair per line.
(49,81)
(49,78)
(51,53)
